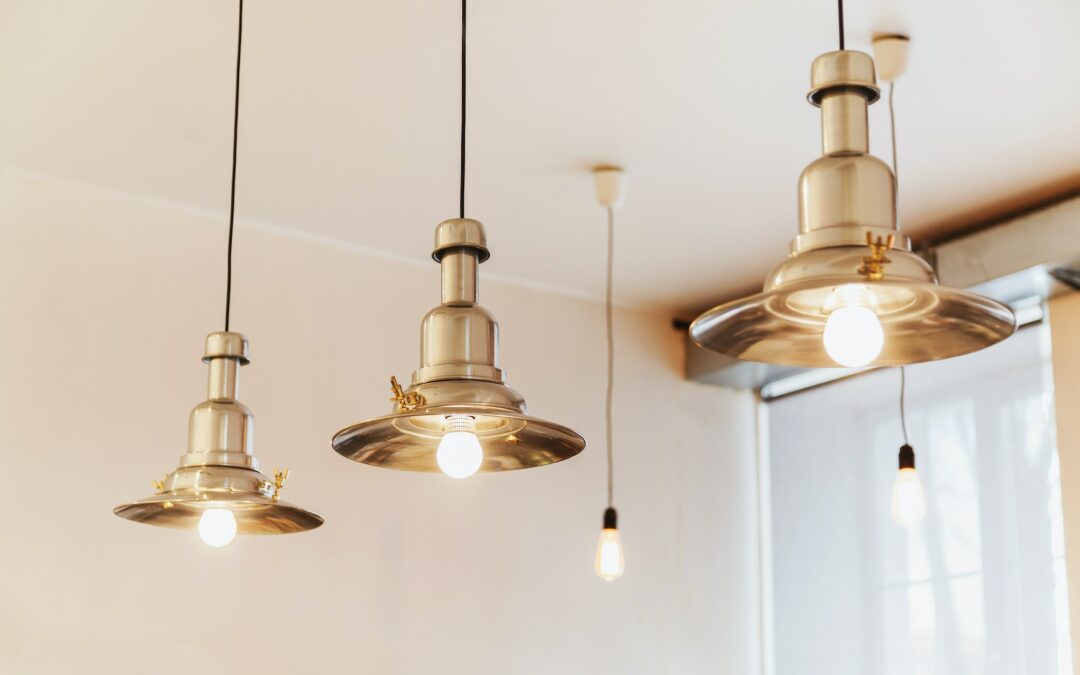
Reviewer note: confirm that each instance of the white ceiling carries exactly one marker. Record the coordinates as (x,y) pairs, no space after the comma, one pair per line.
(349,120)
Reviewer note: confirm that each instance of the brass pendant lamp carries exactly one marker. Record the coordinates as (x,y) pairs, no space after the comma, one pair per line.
(219,488)
(851,293)
(458,415)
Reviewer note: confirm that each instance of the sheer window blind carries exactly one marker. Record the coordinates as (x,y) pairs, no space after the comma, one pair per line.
(979,588)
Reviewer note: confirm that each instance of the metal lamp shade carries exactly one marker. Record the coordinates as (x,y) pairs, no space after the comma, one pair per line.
(220,470)
(459,376)
(848,238)
(408,440)
(922,321)
(220,488)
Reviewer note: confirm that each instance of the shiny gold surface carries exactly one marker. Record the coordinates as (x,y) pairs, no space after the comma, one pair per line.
(843,70)
(220,470)
(785,327)
(847,235)
(459,374)
(873,267)
(255,512)
(408,441)
(460,233)
(405,402)
(279,482)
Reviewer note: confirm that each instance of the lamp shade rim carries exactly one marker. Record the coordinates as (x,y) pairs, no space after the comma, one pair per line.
(932,323)
(254,514)
(408,441)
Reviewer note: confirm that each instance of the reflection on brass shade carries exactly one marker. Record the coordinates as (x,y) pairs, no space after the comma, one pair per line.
(848,238)
(459,375)
(220,470)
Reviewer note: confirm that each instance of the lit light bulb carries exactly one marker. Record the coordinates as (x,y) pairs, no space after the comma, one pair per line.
(217,527)
(610,562)
(853,335)
(908,503)
(459,454)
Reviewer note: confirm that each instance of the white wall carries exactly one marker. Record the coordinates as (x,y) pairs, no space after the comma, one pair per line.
(104,302)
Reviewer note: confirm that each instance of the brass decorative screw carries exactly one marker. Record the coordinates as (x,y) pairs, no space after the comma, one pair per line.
(873,267)
(159,485)
(279,482)
(405,402)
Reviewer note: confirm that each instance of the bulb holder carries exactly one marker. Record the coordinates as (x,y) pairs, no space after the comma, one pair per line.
(891,55)
(611,519)
(907,457)
(220,470)
(459,375)
(848,236)
(610,185)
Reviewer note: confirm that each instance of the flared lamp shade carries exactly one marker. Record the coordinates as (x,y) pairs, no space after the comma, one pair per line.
(459,378)
(849,256)
(220,470)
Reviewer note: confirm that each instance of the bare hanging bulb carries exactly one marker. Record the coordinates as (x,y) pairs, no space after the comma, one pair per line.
(610,184)
(610,563)
(908,501)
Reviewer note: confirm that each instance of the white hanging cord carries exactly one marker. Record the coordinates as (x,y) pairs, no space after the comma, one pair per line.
(610,183)
(895,161)
(903,412)
(610,356)
(896,174)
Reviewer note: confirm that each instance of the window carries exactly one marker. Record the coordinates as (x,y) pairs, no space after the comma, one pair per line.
(980,587)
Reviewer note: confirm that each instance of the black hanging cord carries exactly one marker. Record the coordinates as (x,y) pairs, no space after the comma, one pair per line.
(461,186)
(610,356)
(840,14)
(232,189)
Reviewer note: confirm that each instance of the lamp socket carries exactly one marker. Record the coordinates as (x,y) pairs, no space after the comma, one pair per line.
(610,184)
(891,56)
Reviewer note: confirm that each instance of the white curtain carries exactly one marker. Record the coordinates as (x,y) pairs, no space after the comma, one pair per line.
(979,588)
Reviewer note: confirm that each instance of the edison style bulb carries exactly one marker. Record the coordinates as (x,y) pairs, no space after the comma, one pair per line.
(609,555)
(610,562)
(217,527)
(853,335)
(459,454)
(908,503)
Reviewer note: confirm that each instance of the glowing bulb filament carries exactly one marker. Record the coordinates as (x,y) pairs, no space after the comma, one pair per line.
(610,563)
(908,503)
(459,454)
(217,527)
